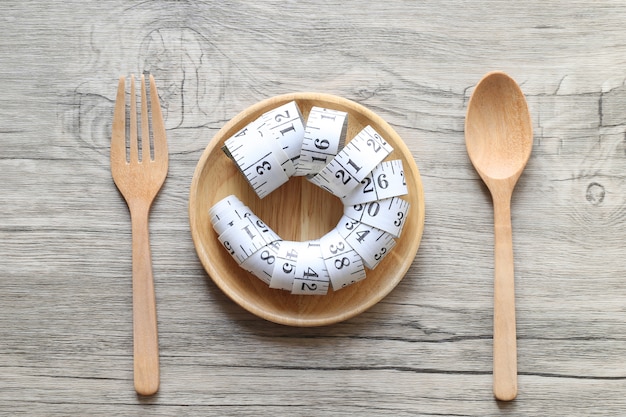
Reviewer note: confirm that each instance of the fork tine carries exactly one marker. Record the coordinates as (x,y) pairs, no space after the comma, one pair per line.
(145,128)
(158,126)
(134,147)
(118,130)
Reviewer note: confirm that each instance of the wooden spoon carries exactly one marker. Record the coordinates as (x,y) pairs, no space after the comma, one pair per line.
(499,139)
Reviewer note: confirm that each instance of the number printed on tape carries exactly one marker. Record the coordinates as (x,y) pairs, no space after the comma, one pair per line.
(284,124)
(370,243)
(385,181)
(311,275)
(344,264)
(324,135)
(261,263)
(259,163)
(388,214)
(247,236)
(284,271)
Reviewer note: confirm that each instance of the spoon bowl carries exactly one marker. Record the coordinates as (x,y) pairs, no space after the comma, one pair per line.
(498,129)
(499,140)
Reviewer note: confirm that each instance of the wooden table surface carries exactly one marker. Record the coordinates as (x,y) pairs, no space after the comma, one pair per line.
(425,349)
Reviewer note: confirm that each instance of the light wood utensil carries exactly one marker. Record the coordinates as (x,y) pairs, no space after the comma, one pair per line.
(499,140)
(139,179)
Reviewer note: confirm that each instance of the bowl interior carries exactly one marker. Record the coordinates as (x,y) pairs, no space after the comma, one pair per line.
(298,210)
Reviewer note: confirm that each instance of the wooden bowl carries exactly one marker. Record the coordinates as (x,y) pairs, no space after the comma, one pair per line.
(298,210)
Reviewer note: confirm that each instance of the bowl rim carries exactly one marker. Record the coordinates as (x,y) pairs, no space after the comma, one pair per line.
(246,116)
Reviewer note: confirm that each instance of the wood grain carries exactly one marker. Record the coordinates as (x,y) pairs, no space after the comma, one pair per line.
(65,292)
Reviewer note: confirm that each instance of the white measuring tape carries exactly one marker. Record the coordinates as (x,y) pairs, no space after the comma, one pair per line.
(277,146)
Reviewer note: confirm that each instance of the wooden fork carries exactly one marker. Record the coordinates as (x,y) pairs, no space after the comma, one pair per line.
(139,180)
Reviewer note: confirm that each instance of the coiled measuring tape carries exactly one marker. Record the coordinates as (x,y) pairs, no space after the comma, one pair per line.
(277,146)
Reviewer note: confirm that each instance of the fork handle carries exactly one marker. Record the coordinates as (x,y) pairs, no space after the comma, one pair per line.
(145,334)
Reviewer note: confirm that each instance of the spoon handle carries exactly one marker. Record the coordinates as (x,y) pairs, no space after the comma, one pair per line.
(504,333)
